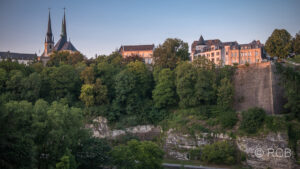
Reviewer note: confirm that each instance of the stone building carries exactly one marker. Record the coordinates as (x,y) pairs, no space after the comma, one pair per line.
(22,58)
(143,51)
(227,53)
(62,45)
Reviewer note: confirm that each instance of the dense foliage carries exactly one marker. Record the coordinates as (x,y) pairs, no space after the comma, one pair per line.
(138,155)
(252,120)
(219,153)
(279,43)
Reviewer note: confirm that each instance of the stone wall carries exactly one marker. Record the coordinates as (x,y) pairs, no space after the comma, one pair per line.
(257,85)
(100,129)
(177,146)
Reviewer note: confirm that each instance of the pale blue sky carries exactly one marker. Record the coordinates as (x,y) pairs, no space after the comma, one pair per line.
(98,26)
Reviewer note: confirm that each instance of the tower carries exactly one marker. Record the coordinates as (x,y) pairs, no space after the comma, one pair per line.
(49,39)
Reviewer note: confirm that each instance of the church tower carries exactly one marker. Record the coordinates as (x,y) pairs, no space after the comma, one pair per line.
(49,39)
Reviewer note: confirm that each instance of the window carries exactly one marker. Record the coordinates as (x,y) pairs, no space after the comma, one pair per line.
(249,60)
(245,53)
(242,54)
(212,48)
(256,53)
(249,53)
(212,54)
(231,54)
(219,53)
(213,60)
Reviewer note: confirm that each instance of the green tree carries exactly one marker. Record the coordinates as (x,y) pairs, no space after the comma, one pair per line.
(87,94)
(219,153)
(88,75)
(16,136)
(14,83)
(100,93)
(31,87)
(252,120)
(164,94)
(225,93)
(170,53)
(67,161)
(186,78)
(296,44)
(65,57)
(137,155)
(279,43)
(93,153)
(64,81)
(290,78)
(3,79)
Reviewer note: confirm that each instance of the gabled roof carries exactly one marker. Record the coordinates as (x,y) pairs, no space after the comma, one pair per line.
(137,47)
(62,44)
(201,41)
(17,56)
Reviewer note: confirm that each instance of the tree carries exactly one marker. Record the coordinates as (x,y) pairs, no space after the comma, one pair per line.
(100,93)
(225,93)
(137,155)
(31,87)
(221,152)
(186,78)
(170,53)
(88,75)
(3,78)
(296,44)
(87,94)
(252,120)
(279,43)
(65,57)
(64,82)
(164,94)
(16,136)
(14,84)
(67,161)
(93,153)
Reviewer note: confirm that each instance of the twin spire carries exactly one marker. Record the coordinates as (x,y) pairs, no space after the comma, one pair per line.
(49,36)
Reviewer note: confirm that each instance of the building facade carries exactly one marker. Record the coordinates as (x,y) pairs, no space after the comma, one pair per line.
(62,45)
(21,58)
(143,51)
(227,53)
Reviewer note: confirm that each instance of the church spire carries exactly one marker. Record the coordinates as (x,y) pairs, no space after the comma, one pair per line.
(64,27)
(49,37)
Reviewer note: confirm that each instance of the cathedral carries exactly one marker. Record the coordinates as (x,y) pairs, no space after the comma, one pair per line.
(62,45)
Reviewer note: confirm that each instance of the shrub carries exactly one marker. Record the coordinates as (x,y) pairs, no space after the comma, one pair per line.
(275,123)
(252,120)
(228,119)
(221,152)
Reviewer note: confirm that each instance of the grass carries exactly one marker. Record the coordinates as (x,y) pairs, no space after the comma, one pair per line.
(295,59)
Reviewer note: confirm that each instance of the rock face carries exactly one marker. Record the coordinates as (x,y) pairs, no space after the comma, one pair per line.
(263,152)
(270,151)
(101,130)
(177,144)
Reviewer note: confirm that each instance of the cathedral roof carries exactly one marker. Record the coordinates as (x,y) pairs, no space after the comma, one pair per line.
(17,56)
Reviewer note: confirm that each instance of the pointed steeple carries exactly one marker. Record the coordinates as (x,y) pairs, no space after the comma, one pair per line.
(64,27)
(201,41)
(49,36)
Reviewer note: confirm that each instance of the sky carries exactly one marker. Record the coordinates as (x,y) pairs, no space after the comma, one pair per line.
(102,26)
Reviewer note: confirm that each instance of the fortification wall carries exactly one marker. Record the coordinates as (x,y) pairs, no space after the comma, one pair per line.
(257,85)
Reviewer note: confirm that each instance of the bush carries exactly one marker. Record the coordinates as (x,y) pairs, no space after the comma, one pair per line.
(275,123)
(228,119)
(252,120)
(219,153)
